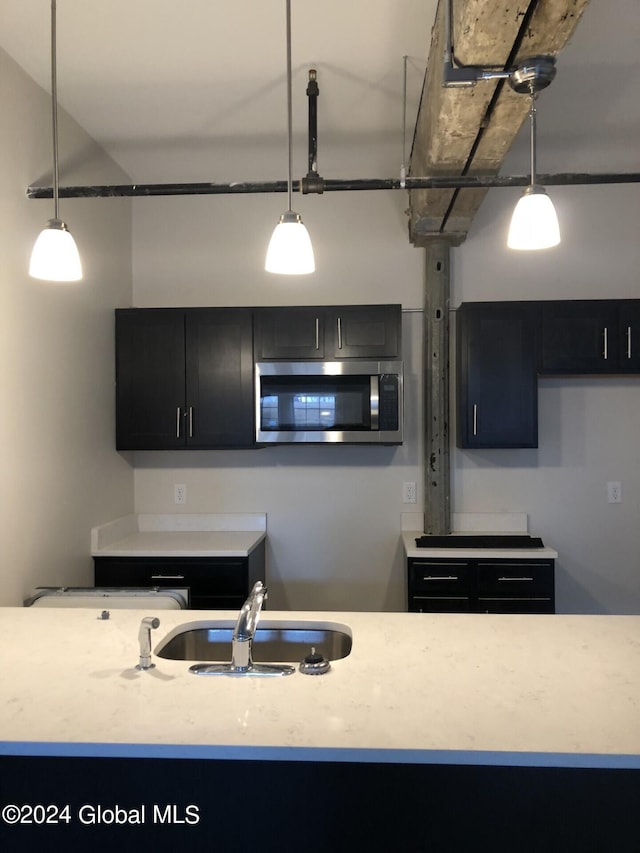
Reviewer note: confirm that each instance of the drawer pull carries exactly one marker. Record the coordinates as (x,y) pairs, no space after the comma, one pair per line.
(628,341)
(441,578)
(515,579)
(167,577)
(605,341)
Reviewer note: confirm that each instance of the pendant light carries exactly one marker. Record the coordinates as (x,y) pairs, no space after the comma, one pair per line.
(534,223)
(55,254)
(290,251)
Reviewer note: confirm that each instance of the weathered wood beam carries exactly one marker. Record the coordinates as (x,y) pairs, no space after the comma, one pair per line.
(470,130)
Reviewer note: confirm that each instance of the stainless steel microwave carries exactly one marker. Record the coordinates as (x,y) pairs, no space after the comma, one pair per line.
(320,402)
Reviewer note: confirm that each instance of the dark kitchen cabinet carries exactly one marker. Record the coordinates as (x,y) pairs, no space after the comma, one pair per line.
(480,585)
(591,336)
(349,331)
(184,378)
(628,337)
(580,336)
(497,354)
(215,583)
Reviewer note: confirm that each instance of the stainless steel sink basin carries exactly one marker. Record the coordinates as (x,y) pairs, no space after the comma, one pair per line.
(274,641)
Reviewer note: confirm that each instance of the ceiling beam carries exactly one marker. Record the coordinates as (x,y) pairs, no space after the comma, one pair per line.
(468,131)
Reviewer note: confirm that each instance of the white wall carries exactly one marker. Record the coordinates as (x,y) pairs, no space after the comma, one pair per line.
(60,473)
(588,427)
(333,512)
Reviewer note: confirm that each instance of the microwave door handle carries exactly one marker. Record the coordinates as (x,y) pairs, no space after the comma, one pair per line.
(374,401)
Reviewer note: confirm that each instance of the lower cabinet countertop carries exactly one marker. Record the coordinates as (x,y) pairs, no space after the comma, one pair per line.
(543,690)
(180,535)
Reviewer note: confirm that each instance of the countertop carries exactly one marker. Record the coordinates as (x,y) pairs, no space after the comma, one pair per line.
(437,688)
(180,535)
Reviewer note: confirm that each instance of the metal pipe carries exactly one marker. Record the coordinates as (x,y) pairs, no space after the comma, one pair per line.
(441,182)
(312,95)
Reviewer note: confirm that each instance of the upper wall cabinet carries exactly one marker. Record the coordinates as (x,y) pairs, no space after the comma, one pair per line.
(497,345)
(330,333)
(184,378)
(503,346)
(592,336)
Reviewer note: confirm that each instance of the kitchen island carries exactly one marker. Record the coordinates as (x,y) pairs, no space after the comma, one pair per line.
(513,693)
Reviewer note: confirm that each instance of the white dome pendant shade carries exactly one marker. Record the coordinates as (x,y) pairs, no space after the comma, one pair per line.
(290,251)
(55,256)
(534,223)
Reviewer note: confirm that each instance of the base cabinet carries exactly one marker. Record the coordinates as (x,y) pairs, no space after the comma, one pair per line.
(480,586)
(215,583)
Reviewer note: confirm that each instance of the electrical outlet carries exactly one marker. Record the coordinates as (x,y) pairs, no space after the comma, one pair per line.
(409,493)
(179,493)
(614,493)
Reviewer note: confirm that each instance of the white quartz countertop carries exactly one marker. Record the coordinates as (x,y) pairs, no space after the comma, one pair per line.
(430,688)
(489,553)
(184,544)
(186,535)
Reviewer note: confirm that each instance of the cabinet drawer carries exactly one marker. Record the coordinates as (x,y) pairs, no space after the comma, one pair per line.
(440,578)
(515,579)
(515,605)
(440,604)
(215,576)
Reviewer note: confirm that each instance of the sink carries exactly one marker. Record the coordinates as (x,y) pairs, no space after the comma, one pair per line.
(275,640)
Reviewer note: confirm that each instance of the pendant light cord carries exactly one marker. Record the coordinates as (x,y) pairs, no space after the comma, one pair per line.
(54,108)
(532,122)
(289,108)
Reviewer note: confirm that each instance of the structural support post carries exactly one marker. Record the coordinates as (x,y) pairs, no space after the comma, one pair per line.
(437,488)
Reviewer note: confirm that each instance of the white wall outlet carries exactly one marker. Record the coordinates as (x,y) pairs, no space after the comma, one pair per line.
(409,493)
(179,493)
(614,493)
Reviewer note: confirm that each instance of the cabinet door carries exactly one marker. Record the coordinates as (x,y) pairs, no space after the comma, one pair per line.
(580,336)
(290,333)
(150,379)
(629,335)
(497,345)
(364,331)
(219,378)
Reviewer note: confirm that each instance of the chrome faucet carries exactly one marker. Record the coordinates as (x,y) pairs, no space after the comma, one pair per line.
(144,638)
(245,629)
(241,642)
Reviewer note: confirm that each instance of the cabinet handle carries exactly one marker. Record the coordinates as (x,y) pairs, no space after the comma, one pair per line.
(178,422)
(317,333)
(190,421)
(628,341)
(339,332)
(515,579)
(167,577)
(605,336)
(475,419)
(441,578)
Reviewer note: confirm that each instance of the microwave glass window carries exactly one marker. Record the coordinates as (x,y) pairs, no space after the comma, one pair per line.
(315,403)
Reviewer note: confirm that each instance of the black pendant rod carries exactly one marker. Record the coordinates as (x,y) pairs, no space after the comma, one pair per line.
(339,185)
